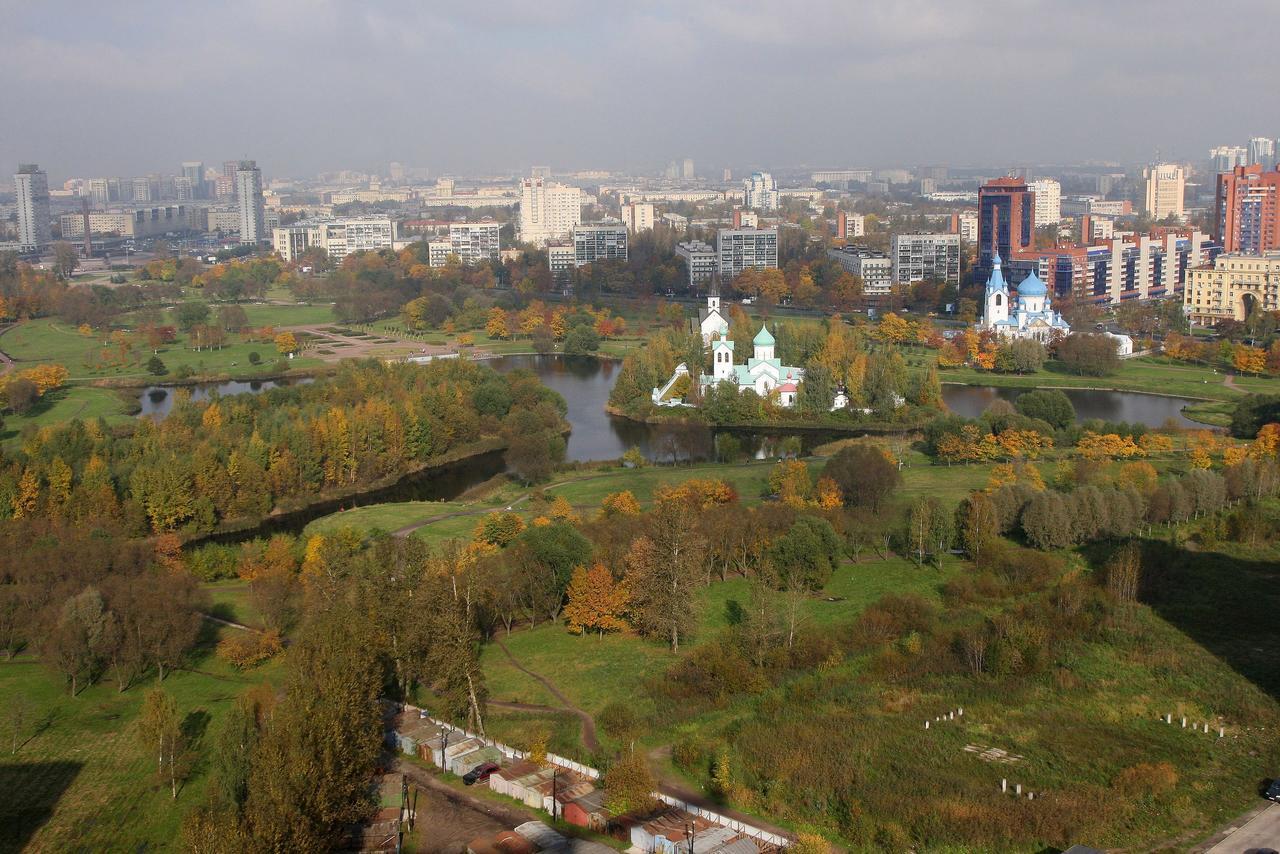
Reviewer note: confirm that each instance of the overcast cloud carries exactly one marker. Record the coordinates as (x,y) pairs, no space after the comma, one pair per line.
(131,87)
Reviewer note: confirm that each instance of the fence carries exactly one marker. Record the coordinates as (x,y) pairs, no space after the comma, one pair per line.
(593,774)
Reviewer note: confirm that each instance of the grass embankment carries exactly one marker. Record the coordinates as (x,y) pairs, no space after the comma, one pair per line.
(82,782)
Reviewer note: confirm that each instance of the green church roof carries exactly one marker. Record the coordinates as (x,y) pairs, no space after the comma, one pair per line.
(763,338)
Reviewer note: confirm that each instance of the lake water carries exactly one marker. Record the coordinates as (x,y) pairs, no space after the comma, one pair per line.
(585,384)
(1154,410)
(156,401)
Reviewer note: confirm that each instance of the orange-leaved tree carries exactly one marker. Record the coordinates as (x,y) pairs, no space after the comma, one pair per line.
(597,602)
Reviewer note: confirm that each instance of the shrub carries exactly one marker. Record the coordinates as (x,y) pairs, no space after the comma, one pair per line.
(242,649)
(1146,778)
(254,357)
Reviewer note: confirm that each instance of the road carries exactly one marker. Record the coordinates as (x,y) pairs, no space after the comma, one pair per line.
(1261,833)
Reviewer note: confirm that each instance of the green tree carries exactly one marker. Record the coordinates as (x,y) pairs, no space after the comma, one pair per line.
(156,366)
(160,730)
(191,314)
(1049,405)
(865,476)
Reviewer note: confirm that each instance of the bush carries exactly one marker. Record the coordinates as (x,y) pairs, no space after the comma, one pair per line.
(213,561)
(254,357)
(865,476)
(244,649)
(619,720)
(1049,405)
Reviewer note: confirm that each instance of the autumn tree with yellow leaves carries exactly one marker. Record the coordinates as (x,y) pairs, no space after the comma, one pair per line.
(596,602)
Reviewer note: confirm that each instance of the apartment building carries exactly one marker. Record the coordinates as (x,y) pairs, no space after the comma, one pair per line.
(637,217)
(920,256)
(470,242)
(1048,201)
(701,261)
(1166,187)
(872,266)
(1247,210)
(31,184)
(740,248)
(339,237)
(1233,286)
(548,211)
(593,243)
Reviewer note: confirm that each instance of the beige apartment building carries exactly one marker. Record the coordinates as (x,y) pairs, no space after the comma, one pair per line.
(1166,185)
(1230,288)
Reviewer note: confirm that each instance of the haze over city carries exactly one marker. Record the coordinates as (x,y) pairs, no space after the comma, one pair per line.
(500,86)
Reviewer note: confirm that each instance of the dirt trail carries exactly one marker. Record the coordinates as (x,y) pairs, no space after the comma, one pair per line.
(448,819)
(589,739)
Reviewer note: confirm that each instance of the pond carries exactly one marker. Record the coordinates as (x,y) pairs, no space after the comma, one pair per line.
(156,401)
(585,383)
(1153,410)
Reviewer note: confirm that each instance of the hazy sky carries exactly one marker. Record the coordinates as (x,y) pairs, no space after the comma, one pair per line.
(97,88)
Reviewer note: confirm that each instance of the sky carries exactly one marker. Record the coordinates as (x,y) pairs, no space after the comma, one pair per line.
(302,86)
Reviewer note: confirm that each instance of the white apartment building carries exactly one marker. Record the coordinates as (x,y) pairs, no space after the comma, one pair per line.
(253,216)
(1262,150)
(593,243)
(760,192)
(141,222)
(1227,157)
(1166,184)
(919,256)
(471,242)
(968,226)
(1048,194)
(873,267)
(337,237)
(836,176)
(31,184)
(740,248)
(701,261)
(637,216)
(548,211)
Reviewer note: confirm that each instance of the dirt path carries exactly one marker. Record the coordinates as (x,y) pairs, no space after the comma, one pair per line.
(448,819)
(589,739)
(6,363)
(1230,382)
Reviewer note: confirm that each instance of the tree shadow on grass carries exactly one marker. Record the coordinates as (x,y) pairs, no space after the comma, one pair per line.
(31,792)
(1227,604)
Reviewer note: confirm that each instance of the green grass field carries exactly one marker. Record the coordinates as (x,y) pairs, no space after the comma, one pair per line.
(50,340)
(1145,373)
(81,781)
(65,404)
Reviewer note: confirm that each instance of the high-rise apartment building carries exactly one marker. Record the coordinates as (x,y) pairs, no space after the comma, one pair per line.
(1247,210)
(1006,221)
(637,216)
(1227,157)
(922,257)
(253,215)
(700,259)
(760,192)
(1048,194)
(99,192)
(592,243)
(740,248)
(1262,152)
(193,171)
(1166,185)
(1232,287)
(686,168)
(469,242)
(548,211)
(31,184)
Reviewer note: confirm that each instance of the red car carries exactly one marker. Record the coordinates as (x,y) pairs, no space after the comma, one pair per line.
(480,773)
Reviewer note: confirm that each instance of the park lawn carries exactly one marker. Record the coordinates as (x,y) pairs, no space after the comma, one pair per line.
(750,479)
(393,516)
(230,600)
(67,403)
(1144,374)
(49,340)
(83,783)
(297,314)
(1216,413)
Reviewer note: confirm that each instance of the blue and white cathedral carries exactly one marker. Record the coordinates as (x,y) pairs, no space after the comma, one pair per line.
(1031,318)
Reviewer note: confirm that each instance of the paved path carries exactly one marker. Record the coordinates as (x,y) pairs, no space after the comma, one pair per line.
(1261,832)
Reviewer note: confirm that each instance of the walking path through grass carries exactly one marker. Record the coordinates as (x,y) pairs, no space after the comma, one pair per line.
(589,739)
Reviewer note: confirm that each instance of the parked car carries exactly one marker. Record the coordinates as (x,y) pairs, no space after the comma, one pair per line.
(480,773)
(1272,791)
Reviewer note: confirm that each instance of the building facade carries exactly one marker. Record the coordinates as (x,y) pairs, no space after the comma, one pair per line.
(701,261)
(1247,210)
(740,248)
(918,257)
(142,222)
(1006,221)
(592,243)
(31,185)
(338,237)
(1262,152)
(1231,287)
(253,215)
(1166,187)
(760,192)
(872,266)
(469,242)
(1227,157)
(548,211)
(637,217)
(1048,200)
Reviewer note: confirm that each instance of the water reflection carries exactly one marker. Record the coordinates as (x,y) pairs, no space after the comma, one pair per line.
(1150,409)
(156,401)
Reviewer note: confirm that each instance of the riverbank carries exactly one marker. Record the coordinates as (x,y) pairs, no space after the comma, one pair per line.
(439,478)
(834,426)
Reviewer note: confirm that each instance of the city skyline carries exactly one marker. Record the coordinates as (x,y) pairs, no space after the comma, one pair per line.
(157,85)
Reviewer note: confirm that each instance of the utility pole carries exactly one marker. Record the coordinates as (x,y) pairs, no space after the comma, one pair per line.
(688,834)
(555,779)
(444,742)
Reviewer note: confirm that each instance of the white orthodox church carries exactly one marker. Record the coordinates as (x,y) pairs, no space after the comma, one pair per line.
(1030,318)
(763,372)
